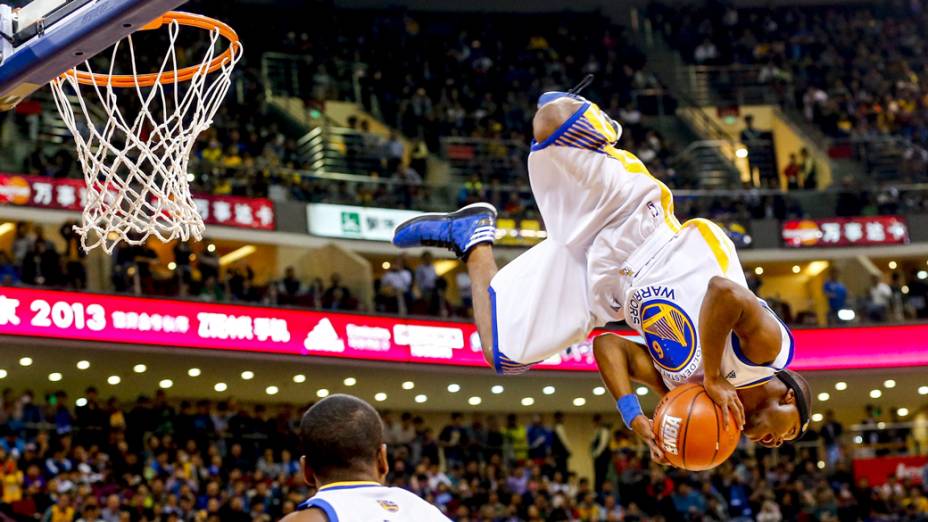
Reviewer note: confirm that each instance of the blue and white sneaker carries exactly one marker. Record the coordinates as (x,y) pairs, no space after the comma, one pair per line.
(457,231)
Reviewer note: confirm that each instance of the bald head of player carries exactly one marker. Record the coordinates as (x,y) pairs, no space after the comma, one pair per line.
(342,441)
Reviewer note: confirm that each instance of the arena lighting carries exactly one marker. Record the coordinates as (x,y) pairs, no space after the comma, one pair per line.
(164,384)
(25,361)
(497,389)
(299,378)
(350,381)
(642,390)
(113,380)
(875,394)
(83,365)
(840,385)
(881,425)
(796,269)
(902,412)
(322,393)
(579,401)
(846,314)
(548,390)
(385,265)
(858,440)
(741,152)
(923,390)
(821,464)
(824,396)
(81,402)
(904,289)
(237,255)
(421,398)
(248,375)
(6,228)
(3,373)
(54,376)
(893,265)
(922,274)
(211,248)
(408,385)
(817,267)
(139,368)
(271,390)
(380,397)
(443,266)
(599,390)
(527,401)
(193,372)
(454,388)
(759,270)
(817,417)
(474,401)
(889,384)
(220,387)
(172,266)
(190,178)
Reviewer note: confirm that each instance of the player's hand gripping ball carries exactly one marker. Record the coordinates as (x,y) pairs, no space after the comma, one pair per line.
(689,428)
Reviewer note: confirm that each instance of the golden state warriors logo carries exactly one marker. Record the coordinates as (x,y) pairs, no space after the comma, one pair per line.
(670,334)
(389,505)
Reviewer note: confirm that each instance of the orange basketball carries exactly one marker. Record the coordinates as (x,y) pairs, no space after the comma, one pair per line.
(688,426)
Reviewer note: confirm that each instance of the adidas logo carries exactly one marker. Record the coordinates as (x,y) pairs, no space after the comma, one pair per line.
(323,338)
(731,375)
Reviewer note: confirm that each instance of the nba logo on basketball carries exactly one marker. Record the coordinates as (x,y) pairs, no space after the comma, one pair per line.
(670,428)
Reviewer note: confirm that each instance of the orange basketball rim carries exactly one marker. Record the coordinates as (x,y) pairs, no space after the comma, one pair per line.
(180,75)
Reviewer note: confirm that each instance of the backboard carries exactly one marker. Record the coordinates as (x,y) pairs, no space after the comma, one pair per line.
(45,38)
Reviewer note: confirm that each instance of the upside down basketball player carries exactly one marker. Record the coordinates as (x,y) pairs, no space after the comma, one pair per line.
(615,251)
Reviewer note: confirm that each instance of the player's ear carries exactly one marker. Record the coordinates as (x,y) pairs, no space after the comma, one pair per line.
(789,397)
(308,476)
(383,466)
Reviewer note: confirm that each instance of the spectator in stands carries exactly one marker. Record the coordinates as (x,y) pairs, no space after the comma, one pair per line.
(808,170)
(560,445)
(599,448)
(335,288)
(395,286)
(880,297)
(539,440)
(9,272)
(393,152)
(791,173)
(836,294)
(75,274)
(831,438)
(463,282)
(706,53)
(42,264)
(515,440)
(425,276)
(917,298)
(289,288)
(453,440)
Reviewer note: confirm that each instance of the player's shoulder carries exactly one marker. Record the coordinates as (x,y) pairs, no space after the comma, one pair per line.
(422,506)
(306,515)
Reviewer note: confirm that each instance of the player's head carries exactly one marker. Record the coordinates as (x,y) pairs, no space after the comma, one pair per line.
(342,439)
(783,413)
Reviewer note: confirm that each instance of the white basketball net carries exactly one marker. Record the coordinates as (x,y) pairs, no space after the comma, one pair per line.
(135,164)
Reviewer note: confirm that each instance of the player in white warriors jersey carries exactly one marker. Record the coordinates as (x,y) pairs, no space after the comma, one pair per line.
(615,251)
(345,459)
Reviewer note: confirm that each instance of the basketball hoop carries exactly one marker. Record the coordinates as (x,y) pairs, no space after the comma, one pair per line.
(135,164)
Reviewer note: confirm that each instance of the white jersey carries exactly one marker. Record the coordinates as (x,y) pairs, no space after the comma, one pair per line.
(371,502)
(614,251)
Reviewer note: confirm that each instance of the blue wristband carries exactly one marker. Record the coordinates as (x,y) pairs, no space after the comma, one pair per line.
(629,407)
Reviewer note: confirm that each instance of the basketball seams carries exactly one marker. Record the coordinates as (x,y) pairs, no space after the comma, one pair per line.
(686,429)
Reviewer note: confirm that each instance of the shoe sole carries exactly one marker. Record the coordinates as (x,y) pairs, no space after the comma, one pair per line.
(473,208)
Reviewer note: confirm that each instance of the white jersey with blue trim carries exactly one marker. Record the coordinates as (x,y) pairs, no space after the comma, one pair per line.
(664,297)
(371,502)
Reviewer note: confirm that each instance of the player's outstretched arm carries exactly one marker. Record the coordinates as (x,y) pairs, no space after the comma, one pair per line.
(621,361)
(729,307)
(308,515)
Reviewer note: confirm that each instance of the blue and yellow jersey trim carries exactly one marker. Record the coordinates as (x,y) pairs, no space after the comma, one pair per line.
(590,129)
(350,485)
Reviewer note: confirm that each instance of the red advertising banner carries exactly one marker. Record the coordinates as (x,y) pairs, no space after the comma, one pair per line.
(70,194)
(837,232)
(193,324)
(878,470)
